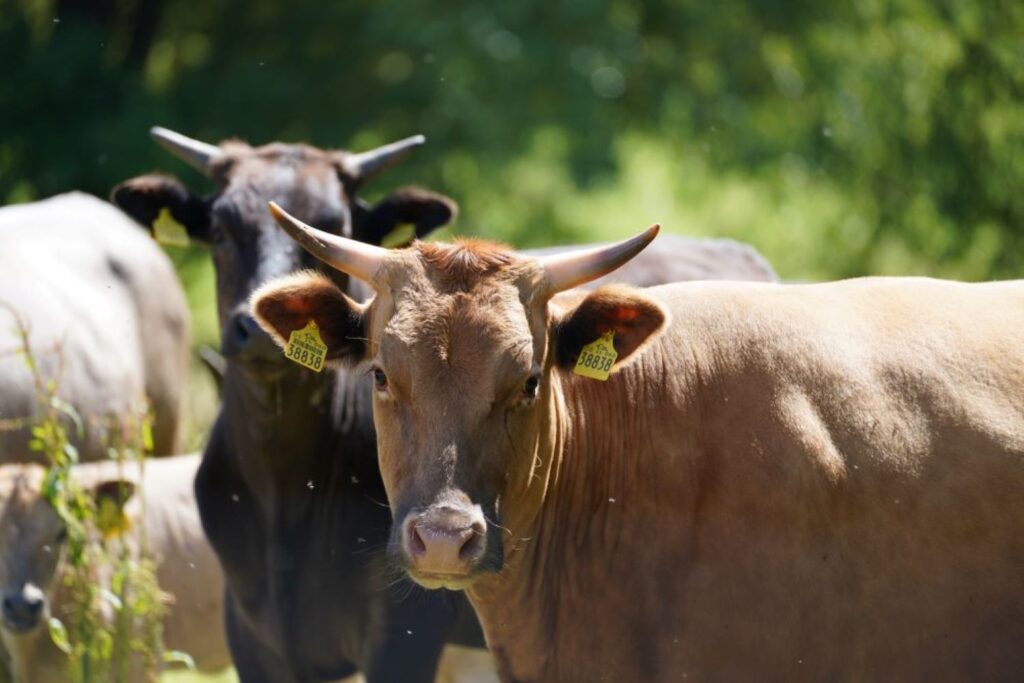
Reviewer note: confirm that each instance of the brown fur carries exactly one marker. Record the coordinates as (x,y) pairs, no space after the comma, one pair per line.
(462,263)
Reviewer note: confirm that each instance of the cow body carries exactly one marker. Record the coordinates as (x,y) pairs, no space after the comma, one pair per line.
(107,320)
(814,482)
(187,569)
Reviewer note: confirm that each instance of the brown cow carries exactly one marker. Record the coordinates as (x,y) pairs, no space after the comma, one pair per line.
(812,482)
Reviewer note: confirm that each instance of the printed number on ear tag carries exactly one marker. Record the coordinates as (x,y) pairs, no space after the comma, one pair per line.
(306,348)
(597,358)
(167,230)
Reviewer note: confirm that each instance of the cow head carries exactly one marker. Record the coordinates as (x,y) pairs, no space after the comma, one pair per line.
(467,348)
(247,246)
(33,537)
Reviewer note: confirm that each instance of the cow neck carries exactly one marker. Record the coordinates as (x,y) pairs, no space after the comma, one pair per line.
(586,500)
(280,426)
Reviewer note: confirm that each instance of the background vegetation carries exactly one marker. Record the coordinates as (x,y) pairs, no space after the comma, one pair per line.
(873,136)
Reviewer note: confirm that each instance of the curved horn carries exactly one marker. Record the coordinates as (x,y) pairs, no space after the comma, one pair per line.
(358,259)
(198,155)
(575,268)
(366,164)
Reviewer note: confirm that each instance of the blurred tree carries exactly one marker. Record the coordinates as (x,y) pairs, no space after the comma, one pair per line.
(841,138)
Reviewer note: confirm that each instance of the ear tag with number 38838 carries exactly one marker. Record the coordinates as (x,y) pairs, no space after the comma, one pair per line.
(306,348)
(597,358)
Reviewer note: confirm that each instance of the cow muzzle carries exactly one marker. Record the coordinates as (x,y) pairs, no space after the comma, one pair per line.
(23,610)
(242,340)
(444,545)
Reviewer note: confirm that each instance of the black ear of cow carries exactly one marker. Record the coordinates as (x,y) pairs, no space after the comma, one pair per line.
(424,210)
(144,197)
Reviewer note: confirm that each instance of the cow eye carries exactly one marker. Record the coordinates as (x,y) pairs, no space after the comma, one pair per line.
(530,387)
(380,380)
(216,234)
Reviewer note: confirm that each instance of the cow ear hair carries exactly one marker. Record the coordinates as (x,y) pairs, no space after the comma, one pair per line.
(625,311)
(144,197)
(287,304)
(426,211)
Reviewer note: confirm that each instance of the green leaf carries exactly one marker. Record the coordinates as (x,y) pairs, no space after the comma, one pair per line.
(105,644)
(147,436)
(59,635)
(179,657)
(114,601)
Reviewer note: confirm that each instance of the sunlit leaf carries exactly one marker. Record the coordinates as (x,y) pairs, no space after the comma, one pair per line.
(179,657)
(59,635)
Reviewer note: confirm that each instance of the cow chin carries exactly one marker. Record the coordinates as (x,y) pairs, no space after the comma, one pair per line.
(21,627)
(446,581)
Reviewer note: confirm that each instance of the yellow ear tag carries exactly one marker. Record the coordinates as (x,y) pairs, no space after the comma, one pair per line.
(597,358)
(306,348)
(169,231)
(110,519)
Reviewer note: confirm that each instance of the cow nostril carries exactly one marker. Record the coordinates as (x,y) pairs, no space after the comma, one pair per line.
(241,329)
(416,544)
(34,606)
(473,547)
(8,605)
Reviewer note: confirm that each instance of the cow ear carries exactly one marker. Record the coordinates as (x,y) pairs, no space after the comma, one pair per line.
(110,497)
(145,197)
(287,304)
(632,317)
(424,210)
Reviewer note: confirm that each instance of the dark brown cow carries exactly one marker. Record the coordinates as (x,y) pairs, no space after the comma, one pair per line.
(811,482)
(297,525)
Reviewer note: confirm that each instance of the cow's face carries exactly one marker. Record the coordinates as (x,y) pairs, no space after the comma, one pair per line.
(34,537)
(247,246)
(466,350)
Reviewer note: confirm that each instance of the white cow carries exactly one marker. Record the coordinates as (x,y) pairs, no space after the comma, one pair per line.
(107,319)
(32,537)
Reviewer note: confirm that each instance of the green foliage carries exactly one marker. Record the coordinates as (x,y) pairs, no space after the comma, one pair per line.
(110,624)
(841,138)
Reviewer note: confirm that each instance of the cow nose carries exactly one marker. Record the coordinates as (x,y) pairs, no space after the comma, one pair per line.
(445,541)
(21,611)
(244,339)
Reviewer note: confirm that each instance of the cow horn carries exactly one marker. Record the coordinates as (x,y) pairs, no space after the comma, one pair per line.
(198,155)
(367,164)
(576,268)
(358,259)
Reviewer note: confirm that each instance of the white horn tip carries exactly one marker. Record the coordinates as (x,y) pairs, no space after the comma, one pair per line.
(277,212)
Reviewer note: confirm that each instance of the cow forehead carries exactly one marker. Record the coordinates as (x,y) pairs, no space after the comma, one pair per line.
(477,334)
(25,508)
(304,178)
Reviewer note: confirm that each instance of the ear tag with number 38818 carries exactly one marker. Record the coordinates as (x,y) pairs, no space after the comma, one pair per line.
(597,358)
(306,348)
